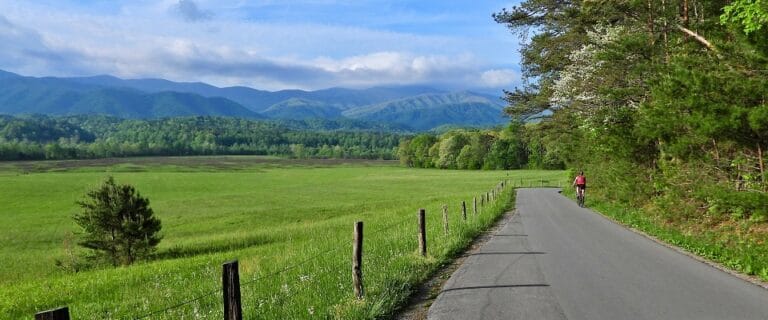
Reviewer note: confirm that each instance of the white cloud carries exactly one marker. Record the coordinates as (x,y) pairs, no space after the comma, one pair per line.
(497,78)
(140,40)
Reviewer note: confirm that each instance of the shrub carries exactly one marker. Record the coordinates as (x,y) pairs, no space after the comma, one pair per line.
(741,204)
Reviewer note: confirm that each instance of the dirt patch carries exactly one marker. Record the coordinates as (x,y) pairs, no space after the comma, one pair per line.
(197,163)
(419,304)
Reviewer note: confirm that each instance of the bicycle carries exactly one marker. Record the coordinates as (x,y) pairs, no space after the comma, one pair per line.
(581,185)
(580,197)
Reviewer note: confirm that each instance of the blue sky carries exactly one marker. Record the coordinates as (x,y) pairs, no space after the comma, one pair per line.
(265,44)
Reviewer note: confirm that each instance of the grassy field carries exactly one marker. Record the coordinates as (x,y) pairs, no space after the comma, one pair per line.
(289,223)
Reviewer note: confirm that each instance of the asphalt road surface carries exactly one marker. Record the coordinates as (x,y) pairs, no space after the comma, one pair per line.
(554,260)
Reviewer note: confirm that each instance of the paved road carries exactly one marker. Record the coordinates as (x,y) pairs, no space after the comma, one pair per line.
(554,260)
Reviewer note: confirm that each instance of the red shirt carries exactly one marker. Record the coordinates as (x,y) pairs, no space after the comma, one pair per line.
(581,180)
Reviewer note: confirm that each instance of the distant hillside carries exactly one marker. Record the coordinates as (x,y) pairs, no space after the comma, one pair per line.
(340,124)
(260,100)
(299,109)
(55,96)
(428,111)
(6,74)
(353,98)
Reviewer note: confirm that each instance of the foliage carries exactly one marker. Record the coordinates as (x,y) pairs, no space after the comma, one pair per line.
(79,137)
(118,223)
(41,129)
(508,148)
(751,14)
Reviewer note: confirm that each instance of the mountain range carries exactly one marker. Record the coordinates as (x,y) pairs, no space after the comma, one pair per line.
(416,107)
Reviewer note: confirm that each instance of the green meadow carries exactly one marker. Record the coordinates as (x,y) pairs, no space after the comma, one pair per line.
(288,222)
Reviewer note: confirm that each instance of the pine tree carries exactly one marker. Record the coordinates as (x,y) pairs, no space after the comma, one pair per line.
(118,224)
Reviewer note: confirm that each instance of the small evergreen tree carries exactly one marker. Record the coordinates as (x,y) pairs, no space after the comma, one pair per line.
(118,224)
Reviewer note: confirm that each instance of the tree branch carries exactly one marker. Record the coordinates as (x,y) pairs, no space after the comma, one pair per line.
(698,37)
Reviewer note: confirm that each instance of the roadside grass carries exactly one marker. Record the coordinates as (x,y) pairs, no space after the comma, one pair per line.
(288,223)
(725,244)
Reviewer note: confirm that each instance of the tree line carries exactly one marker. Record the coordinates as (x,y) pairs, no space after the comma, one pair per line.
(517,146)
(79,137)
(663,102)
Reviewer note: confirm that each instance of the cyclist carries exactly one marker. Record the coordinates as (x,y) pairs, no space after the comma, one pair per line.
(581,184)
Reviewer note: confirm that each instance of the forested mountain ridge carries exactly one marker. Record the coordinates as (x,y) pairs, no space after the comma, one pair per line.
(297,108)
(425,101)
(54,96)
(417,107)
(261,100)
(427,111)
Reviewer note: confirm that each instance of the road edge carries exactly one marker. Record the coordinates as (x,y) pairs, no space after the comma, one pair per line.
(744,277)
(418,304)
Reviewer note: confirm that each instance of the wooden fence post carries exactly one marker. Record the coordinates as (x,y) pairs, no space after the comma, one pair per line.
(464,210)
(422,233)
(445,219)
(357,260)
(482,201)
(474,205)
(53,314)
(230,282)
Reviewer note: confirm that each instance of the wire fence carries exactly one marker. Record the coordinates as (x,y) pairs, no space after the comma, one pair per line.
(279,293)
(178,305)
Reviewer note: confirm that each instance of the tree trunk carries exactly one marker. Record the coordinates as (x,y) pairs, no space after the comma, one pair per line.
(665,30)
(650,23)
(762,165)
(113,250)
(129,253)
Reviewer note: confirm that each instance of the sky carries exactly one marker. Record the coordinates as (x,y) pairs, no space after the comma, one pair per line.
(265,44)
